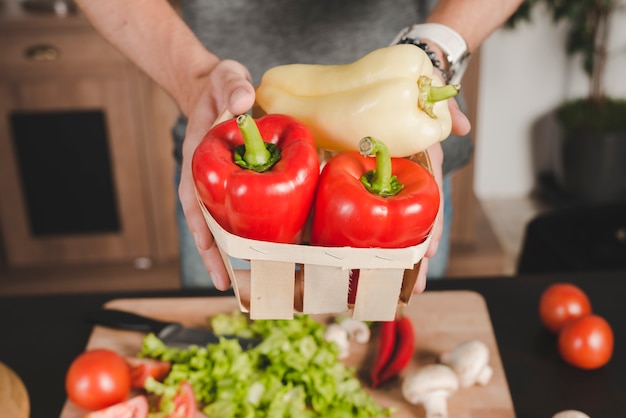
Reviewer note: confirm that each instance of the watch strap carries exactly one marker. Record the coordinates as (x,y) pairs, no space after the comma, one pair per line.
(424,47)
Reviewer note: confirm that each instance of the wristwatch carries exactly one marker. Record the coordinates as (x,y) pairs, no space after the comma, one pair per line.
(450,41)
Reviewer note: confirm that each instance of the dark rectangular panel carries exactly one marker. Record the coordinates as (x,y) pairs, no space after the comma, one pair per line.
(65,169)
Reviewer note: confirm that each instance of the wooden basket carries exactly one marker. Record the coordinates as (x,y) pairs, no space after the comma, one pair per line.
(288,278)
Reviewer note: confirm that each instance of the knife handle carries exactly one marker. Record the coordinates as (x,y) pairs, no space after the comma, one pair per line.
(114,318)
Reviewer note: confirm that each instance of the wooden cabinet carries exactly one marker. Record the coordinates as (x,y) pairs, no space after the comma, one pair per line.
(86,167)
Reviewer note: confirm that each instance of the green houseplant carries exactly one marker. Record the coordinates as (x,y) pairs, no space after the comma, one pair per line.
(593,143)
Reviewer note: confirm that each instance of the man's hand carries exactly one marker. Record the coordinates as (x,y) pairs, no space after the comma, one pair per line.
(227,87)
(460,126)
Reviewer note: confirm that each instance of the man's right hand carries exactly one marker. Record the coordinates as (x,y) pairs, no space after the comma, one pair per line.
(227,87)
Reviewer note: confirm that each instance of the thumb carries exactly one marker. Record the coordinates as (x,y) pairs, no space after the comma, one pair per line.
(241,99)
(460,123)
(233,81)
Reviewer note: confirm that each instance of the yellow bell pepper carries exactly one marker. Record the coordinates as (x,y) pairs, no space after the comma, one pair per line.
(387,94)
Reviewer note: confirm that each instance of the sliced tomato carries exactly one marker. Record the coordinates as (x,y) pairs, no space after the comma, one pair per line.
(136,407)
(142,368)
(184,402)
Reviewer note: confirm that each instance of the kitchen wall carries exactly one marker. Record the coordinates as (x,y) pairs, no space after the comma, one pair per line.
(524,75)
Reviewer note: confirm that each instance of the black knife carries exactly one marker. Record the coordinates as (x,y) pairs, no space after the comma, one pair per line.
(173,334)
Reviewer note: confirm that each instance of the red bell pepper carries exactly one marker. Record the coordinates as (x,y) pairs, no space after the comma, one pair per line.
(379,202)
(258,180)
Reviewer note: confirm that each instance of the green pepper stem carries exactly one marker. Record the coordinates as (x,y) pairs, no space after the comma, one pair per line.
(429,94)
(379,181)
(254,154)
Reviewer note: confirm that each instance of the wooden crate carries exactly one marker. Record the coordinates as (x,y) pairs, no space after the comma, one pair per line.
(288,278)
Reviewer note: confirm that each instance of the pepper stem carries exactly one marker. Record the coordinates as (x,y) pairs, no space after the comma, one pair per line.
(254,154)
(379,181)
(429,94)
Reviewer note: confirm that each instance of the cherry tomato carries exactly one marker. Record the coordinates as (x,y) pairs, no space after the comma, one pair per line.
(561,303)
(98,378)
(587,342)
(142,368)
(136,407)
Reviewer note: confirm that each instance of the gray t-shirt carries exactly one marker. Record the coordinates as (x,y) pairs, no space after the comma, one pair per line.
(263,34)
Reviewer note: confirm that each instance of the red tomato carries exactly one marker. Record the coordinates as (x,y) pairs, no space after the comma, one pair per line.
(587,342)
(184,402)
(142,368)
(561,303)
(98,378)
(136,407)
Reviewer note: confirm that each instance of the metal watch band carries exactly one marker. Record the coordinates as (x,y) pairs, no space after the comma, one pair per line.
(450,41)
(424,47)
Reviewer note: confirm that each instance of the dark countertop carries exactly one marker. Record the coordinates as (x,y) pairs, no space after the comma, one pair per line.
(43,334)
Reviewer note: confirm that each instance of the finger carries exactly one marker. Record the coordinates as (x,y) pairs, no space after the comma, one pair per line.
(436,233)
(460,123)
(193,214)
(435,153)
(212,260)
(207,247)
(420,283)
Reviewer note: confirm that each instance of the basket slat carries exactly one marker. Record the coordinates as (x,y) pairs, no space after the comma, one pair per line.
(272,287)
(377,294)
(325,289)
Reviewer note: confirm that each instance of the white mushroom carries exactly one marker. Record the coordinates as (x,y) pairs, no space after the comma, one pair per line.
(571,414)
(339,335)
(357,330)
(470,361)
(431,386)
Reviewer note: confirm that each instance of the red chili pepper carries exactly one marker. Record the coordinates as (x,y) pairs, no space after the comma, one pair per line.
(386,344)
(403,350)
(374,202)
(256,189)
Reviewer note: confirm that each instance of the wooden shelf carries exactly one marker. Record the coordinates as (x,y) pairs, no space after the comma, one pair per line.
(60,64)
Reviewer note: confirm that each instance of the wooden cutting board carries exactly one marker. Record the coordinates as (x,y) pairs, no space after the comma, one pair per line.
(14,400)
(441,320)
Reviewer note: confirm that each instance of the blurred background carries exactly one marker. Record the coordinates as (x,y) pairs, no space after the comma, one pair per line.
(113,225)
